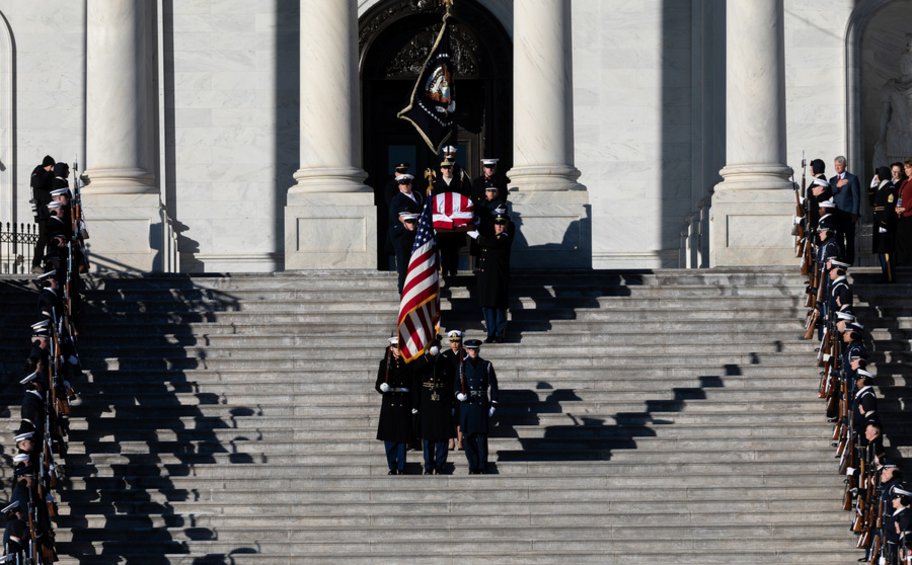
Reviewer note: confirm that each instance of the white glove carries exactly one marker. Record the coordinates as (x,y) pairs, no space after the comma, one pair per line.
(434,350)
(414,410)
(461,397)
(384,387)
(850,471)
(473,234)
(882,230)
(491,411)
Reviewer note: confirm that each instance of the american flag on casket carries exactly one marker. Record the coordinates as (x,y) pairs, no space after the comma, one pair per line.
(452,212)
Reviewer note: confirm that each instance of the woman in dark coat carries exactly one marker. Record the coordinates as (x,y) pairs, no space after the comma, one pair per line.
(394,382)
(494,277)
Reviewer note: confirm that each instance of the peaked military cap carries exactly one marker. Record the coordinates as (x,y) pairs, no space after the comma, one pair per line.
(472,343)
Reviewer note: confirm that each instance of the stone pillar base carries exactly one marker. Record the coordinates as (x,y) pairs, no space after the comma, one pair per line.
(543,178)
(124,231)
(751,227)
(331,231)
(553,230)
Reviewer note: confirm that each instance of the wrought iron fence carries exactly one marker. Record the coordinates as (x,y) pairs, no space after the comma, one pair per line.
(17,245)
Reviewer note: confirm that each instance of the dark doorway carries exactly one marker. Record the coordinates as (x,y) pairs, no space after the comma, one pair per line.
(395,38)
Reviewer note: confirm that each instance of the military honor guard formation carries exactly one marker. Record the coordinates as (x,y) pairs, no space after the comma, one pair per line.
(52,369)
(444,396)
(826,213)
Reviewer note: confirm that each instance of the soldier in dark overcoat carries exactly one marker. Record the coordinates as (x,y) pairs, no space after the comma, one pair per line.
(493,277)
(433,398)
(884,223)
(476,392)
(394,382)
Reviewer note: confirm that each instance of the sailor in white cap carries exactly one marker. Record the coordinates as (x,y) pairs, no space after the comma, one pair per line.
(455,356)
(489,177)
(407,201)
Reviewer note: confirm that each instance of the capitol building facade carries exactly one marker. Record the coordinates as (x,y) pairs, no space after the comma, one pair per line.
(220,135)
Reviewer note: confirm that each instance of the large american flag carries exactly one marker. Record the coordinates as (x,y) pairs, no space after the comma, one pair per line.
(419,307)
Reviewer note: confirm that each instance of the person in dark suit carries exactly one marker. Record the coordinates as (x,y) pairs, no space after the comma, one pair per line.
(394,382)
(494,277)
(847,195)
(476,392)
(42,182)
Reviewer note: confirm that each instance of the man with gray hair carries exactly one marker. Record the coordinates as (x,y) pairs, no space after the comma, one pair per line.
(847,195)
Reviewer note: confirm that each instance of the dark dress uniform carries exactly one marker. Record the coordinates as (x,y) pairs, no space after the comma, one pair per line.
(479,380)
(482,182)
(402,203)
(434,401)
(32,411)
(395,425)
(889,537)
(884,227)
(864,407)
(493,275)
(840,294)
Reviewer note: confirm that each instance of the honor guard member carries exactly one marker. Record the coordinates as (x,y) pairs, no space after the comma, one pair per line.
(854,353)
(447,181)
(840,293)
(459,173)
(391,188)
(406,200)
(476,408)
(434,403)
(489,176)
(864,405)
(404,243)
(890,477)
(828,249)
(395,426)
(817,191)
(884,222)
(32,410)
(455,356)
(902,520)
(49,300)
(450,242)
(42,182)
(493,276)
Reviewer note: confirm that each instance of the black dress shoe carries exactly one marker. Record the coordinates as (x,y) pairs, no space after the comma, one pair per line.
(428,472)
(391,472)
(489,339)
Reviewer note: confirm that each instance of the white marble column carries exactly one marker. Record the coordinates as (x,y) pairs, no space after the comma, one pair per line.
(542,97)
(121,197)
(751,214)
(330,219)
(552,208)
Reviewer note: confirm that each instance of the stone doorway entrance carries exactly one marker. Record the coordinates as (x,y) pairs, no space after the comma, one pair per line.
(395,38)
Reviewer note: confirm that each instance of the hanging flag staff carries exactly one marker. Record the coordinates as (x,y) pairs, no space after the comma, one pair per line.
(432,106)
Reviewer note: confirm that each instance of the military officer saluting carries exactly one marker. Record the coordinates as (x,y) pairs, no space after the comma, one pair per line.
(395,425)
(476,392)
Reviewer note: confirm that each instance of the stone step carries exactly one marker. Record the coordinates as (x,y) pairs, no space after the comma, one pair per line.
(376,467)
